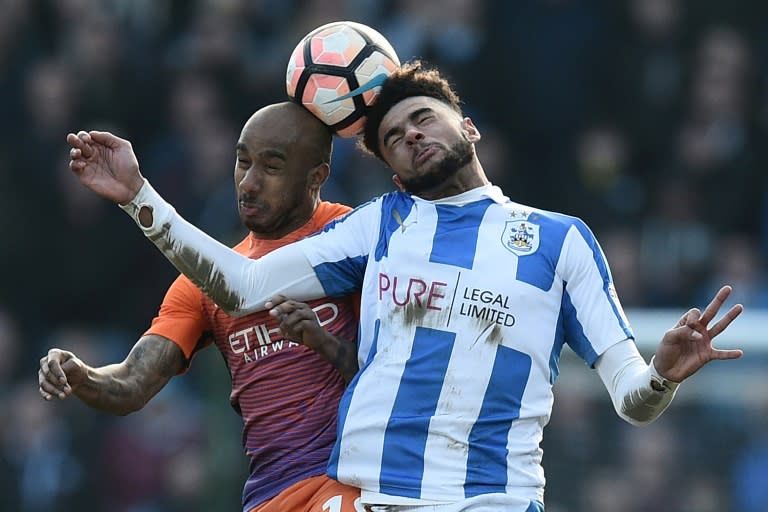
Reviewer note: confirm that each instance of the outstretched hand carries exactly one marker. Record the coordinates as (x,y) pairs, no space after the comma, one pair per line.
(105,164)
(687,347)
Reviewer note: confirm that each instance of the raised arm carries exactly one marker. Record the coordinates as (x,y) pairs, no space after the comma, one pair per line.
(117,388)
(641,392)
(108,166)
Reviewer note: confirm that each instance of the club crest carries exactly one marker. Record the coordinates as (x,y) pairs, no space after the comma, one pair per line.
(521,237)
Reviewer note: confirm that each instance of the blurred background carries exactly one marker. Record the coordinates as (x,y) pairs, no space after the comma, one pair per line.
(647,118)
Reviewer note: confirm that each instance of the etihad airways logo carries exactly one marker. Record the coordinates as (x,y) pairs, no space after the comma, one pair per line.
(260,340)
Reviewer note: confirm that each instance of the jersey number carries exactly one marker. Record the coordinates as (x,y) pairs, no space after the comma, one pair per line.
(334,505)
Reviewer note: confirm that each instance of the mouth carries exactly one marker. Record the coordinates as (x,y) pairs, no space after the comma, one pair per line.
(424,154)
(249,206)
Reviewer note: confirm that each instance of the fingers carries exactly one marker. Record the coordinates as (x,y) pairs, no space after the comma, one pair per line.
(106,138)
(293,326)
(286,307)
(275,301)
(690,316)
(701,324)
(692,321)
(727,354)
(724,322)
(77,165)
(81,149)
(75,141)
(85,146)
(49,389)
(51,364)
(711,310)
(293,316)
(51,378)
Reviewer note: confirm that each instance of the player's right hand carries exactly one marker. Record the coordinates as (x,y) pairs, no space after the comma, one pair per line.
(297,321)
(60,373)
(105,164)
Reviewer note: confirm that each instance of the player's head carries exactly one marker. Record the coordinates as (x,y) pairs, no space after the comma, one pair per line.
(283,157)
(417,128)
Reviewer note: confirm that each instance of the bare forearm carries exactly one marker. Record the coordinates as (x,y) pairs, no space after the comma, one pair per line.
(126,387)
(340,353)
(114,390)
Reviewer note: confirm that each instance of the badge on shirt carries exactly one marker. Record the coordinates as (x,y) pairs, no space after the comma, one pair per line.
(521,237)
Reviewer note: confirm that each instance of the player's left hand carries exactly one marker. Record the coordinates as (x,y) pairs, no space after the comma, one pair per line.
(297,321)
(688,345)
(106,164)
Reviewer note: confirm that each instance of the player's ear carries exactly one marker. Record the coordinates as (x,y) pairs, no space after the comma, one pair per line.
(398,183)
(473,134)
(319,175)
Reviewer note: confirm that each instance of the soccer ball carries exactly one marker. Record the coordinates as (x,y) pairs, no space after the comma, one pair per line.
(336,71)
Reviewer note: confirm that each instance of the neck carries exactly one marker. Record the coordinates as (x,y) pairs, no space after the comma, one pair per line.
(470,176)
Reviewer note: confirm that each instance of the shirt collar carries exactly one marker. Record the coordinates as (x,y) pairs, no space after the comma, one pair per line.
(489,191)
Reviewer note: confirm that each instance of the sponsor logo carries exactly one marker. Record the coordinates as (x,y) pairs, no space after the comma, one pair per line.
(487,305)
(412,290)
(260,340)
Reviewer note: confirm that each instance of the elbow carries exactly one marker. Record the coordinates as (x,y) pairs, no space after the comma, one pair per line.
(635,422)
(638,416)
(130,402)
(130,407)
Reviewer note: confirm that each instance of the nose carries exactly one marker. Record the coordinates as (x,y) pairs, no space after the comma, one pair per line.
(251,181)
(412,136)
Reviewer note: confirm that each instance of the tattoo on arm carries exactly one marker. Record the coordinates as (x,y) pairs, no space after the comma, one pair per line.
(152,362)
(126,387)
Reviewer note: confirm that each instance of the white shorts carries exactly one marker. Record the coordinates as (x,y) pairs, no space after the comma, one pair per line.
(484,503)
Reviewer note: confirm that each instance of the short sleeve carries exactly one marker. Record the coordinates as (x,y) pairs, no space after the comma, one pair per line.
(181,318)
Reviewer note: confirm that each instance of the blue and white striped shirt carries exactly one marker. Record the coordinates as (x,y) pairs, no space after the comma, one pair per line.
(466,305)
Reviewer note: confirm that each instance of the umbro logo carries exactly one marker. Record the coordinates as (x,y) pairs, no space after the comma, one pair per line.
(399,219)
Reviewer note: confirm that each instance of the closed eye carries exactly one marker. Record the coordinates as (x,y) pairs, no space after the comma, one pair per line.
(275,166)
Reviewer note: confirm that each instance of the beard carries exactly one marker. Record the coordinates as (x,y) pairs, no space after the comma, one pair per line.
(458,156)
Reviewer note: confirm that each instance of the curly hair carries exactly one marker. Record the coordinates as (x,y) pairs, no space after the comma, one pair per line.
(410,79)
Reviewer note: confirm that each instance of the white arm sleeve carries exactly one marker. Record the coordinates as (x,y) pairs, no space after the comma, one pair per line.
(628,380)
(237,284)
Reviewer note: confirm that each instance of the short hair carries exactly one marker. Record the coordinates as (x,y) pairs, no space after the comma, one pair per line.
(410,79)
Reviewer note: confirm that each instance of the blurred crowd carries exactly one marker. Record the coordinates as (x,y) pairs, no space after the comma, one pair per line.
(647,118)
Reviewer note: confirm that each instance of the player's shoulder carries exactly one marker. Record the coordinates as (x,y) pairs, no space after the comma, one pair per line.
(534,214)
(394,200)
(332,210)
(383,202)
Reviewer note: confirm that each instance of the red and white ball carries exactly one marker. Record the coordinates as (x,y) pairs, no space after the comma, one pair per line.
(336,72)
